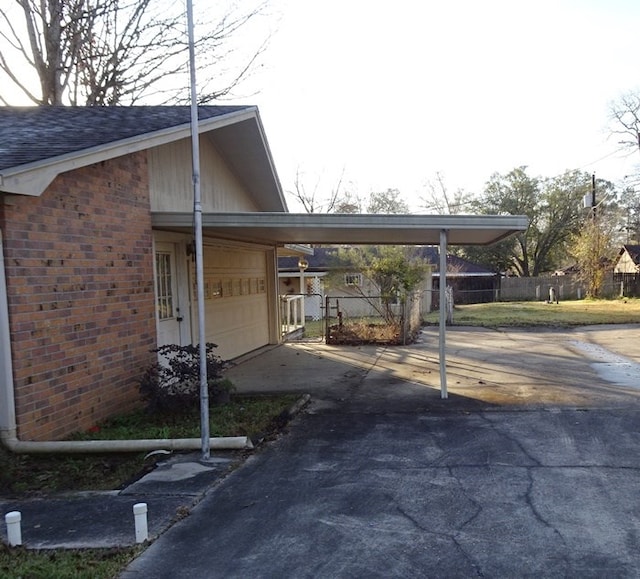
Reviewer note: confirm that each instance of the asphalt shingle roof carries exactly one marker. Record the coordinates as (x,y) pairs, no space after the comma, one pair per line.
(31,134)
(322,259)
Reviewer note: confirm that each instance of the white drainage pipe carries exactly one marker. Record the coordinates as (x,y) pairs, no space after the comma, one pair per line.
(143,445)
(14,530)
(140,520)
(8,427)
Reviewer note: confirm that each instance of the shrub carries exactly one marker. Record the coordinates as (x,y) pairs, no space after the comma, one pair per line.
(172,384)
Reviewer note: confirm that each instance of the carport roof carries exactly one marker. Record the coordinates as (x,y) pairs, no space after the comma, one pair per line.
(356,229)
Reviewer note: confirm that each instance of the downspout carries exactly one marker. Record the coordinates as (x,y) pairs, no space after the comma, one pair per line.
(8,426)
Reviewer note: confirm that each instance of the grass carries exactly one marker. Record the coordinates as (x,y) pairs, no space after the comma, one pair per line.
(64,564)
(566,313)
(531,314)
(37,475)
(314,328)
(22,474)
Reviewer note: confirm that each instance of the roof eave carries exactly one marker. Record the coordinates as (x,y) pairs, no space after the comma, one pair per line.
(33,178)
(358,229)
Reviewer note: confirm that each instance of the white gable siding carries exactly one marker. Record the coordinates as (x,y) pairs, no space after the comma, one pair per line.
(171,186)
(625,264)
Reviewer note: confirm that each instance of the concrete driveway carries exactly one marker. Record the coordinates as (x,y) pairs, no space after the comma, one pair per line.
(529,469)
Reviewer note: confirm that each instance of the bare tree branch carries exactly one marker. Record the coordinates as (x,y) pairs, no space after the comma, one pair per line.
(106,52)
(312,202)
(625,121)
(440,201)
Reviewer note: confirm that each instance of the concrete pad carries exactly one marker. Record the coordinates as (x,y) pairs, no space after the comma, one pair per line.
(105,519)
(529,468)
(487,494)
(183,474)
(91,520)
(507,367)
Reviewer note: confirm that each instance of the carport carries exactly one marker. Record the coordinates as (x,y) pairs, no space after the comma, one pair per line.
(280,228)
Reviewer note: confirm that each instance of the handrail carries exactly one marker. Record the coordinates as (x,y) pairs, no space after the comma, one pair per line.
(292,312)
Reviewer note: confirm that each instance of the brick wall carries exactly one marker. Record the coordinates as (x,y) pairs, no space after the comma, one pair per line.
(79,270)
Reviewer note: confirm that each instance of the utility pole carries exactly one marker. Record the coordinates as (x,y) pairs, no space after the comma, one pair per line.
(593,195)
(197,221)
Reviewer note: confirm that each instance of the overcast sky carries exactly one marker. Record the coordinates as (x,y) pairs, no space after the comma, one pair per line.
(395,91)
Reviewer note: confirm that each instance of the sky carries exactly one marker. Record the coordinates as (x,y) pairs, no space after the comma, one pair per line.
(388,94)
(391,93)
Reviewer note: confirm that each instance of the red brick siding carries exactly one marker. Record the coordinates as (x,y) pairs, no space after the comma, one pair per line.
(79,270)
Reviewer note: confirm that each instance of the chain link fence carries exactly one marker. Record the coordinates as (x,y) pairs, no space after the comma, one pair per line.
(372,319)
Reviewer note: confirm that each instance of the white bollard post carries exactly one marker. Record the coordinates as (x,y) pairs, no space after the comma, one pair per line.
(14,531)
(140,518)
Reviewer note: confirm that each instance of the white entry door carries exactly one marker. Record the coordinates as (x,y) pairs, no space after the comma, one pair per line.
(169,315)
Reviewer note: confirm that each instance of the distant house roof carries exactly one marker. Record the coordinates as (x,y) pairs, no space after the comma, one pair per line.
(38,143)
(633,251)
(628,261)
(323,260)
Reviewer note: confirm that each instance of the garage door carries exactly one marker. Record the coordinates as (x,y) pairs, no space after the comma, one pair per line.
(236,299)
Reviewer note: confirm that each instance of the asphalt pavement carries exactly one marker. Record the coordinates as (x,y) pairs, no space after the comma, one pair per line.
(529,468)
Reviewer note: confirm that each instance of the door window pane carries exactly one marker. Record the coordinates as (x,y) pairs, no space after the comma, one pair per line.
(164,285)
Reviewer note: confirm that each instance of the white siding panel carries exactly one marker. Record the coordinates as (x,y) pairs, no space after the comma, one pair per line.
(171,185)
(626,264)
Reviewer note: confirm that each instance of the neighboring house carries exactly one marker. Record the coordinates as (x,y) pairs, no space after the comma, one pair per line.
(628,261)
(349,285)
(471,283)
(90,284)
(627,270)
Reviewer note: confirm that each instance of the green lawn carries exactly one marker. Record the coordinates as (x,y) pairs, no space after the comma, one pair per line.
(43,474)
(566,313)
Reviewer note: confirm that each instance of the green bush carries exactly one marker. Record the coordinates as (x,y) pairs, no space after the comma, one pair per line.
(173,383)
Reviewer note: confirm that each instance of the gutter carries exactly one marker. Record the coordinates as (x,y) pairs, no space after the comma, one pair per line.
(8,426)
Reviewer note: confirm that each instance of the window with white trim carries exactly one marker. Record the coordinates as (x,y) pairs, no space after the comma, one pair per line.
(353,279)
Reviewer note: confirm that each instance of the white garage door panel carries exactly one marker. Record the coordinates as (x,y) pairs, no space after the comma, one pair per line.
(239,329)
(236,302)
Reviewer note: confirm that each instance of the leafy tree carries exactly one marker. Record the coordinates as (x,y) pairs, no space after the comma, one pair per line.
(349,203)
(389,201)
(593,249)
(395,270)
(554,208)
(108,52)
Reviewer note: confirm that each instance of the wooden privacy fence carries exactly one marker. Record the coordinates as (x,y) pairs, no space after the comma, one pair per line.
(629,284)
(565,287)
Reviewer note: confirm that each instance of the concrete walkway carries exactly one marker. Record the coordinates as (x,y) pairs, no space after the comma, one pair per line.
(529,469)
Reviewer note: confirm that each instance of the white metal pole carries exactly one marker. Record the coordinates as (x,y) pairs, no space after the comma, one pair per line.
(197,222)
(303,292)
(443,313)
